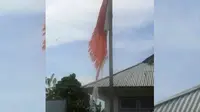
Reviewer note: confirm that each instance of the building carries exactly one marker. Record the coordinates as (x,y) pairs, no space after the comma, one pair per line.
(133,88)
(186,101)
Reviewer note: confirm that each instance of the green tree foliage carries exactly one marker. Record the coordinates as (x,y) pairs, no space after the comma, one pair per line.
(51,87)
(68,88)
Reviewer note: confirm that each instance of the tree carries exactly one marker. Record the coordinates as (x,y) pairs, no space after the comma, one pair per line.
(68,88)
(51,87)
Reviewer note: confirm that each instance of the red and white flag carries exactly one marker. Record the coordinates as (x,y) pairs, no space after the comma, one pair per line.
(44,36)
(98,42)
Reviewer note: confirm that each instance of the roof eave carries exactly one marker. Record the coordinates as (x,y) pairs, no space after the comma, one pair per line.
(179,95)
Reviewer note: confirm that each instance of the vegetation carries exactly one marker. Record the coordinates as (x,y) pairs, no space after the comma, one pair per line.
(51,88)
(95,107)
(69,88)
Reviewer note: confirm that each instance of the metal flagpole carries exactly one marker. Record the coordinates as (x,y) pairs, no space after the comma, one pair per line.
(110,14)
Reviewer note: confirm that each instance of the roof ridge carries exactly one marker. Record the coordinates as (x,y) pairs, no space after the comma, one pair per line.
(185,92)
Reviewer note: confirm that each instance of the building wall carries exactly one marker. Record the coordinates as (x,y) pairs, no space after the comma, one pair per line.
(124,92)
(107,105)
(56,106)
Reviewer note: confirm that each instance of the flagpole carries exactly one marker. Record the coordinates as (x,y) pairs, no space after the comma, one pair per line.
(111,55)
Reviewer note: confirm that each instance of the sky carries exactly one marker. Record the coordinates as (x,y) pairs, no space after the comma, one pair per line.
(22,60)
(173,32)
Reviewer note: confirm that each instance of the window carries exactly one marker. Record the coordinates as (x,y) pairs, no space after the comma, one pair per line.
(146,102)
(128,103)
(142,102)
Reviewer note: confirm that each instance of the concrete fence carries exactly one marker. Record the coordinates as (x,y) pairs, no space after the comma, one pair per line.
(56,106)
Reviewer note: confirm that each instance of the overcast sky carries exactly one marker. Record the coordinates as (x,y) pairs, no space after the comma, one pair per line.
(22,61)
(177,46)
(69,27)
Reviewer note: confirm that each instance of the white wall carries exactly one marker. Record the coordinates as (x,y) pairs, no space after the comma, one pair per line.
(107,103)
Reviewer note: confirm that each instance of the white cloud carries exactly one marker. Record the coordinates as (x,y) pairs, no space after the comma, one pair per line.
(21,6)
(70,21)
(134,46)
(86,79)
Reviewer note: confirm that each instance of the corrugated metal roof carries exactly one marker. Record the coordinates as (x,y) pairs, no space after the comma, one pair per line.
(187,101)
(138,75)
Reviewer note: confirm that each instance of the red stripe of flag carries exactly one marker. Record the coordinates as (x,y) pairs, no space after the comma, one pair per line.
(44,35)
(98,42)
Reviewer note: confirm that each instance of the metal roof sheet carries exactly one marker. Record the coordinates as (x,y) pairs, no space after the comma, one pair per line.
(138,76)
(187,101)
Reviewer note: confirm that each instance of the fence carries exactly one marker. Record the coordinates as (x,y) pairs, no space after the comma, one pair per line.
(56,106)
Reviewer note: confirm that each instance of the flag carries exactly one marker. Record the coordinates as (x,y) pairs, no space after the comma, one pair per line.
(44,35)
(98,42)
